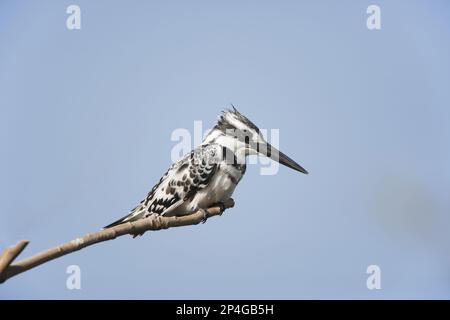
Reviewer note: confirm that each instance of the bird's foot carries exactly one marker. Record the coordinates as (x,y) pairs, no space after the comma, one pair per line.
(222,207)
(205,215)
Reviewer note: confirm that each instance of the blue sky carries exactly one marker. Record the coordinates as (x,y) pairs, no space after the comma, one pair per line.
(86,118)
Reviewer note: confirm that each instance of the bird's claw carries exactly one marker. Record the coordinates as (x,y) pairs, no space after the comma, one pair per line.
(205,215)
(222,208)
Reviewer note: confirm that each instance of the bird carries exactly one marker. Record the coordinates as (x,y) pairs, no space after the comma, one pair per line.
(209,174)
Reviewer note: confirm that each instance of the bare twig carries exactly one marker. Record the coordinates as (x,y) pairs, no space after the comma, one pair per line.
(10,254)
(8,270)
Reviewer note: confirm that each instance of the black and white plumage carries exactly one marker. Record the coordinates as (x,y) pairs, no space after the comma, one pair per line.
(209,174)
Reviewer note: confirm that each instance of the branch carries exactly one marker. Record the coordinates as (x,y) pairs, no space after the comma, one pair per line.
(10,254)
(8,270)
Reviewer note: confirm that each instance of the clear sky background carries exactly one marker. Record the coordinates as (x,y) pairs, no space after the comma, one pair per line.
(86,118)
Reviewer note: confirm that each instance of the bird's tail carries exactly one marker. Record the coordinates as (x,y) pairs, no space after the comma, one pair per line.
(128,218)
(117,222)
(133,215)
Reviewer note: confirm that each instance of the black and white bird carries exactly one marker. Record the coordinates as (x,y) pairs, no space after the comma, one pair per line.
(209,174)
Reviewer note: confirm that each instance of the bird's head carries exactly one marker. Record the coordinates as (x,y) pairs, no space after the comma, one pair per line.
(236,132)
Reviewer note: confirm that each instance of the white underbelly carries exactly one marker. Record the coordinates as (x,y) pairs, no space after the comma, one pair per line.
(220,188)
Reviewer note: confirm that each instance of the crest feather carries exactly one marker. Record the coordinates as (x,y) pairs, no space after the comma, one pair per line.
(228,116)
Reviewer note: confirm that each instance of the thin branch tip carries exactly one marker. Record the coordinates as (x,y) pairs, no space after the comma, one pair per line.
(8,257)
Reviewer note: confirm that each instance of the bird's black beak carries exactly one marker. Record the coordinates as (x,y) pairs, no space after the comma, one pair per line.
(278,156)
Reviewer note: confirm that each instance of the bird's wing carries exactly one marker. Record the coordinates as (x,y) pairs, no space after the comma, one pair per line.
(179,184)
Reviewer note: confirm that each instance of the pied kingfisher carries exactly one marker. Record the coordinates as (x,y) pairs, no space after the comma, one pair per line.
(209,174)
